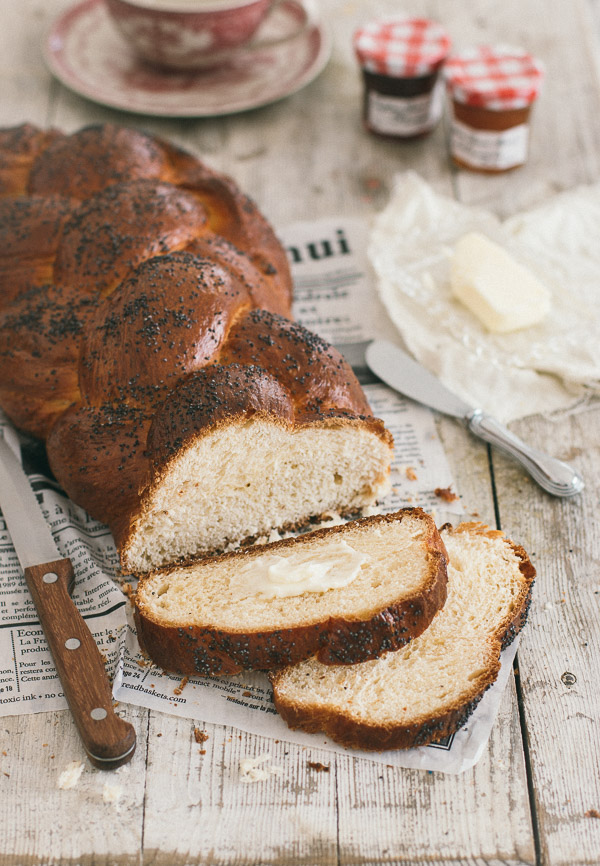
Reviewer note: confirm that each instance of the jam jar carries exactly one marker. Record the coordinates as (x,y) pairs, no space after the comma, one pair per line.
(492,91)
(400,59)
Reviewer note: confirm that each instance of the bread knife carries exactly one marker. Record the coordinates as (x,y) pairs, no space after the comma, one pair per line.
(404,374)
(108,740)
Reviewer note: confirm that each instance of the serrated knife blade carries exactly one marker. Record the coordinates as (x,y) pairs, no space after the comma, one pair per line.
(108,740)
(398,370)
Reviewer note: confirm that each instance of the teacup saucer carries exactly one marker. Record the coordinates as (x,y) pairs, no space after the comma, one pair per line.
(86,53)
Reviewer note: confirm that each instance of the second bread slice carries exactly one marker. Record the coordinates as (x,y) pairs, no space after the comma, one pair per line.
(429,689)
(387,578)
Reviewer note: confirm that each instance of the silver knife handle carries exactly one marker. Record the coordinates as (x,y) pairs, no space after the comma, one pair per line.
(553,475)
(108,740)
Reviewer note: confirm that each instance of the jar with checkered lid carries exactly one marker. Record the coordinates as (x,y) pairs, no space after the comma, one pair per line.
(400,59)
(492,91)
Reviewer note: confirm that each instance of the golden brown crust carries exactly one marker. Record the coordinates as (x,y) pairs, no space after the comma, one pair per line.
(31,228)
(128,266)
(40,336)
(97,452)
(93,158)
(109,235)
(150,318)
(169,319)
(354,733)
(297,355)
(19,146)
(346,640)
(86,211)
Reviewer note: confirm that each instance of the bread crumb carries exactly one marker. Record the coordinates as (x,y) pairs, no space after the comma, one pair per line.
(428,282)
(200,736)
(445,493)
(111,793)
(330,518)
(181,686)
(410,473)
(250,771)
(70,775)
(318,766)
(592,813)
(371,510)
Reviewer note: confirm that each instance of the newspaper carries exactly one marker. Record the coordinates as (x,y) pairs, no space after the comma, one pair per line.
(337,298)
(28,679)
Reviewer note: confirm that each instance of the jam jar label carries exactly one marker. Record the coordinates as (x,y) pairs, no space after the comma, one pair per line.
(404,116)
(489,149)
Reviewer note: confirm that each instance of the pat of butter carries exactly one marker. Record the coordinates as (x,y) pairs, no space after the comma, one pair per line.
(278,576)
(501,293)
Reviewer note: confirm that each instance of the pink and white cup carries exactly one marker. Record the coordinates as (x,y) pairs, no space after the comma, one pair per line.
(201,34)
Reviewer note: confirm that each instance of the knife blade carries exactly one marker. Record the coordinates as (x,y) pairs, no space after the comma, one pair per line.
(108,740)
(402,373)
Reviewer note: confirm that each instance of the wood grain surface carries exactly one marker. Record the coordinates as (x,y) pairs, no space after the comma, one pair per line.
(533,796)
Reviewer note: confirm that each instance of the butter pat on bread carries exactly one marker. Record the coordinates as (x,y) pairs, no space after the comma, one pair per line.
(503,294)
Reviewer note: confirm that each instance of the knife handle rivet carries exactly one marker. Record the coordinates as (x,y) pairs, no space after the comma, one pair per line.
(98,713)
(72,643)
(50,577)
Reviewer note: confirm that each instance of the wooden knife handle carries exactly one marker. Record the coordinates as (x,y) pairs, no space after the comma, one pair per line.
(108,740)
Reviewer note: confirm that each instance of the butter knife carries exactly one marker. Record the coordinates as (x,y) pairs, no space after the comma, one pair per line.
(108,740)
(404,374)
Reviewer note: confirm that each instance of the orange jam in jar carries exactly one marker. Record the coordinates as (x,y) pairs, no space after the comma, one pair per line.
(492,91)
(400,60)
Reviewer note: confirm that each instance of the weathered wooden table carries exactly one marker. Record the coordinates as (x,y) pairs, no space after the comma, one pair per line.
(534,797)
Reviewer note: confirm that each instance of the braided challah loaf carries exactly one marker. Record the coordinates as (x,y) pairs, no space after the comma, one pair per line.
(143,336)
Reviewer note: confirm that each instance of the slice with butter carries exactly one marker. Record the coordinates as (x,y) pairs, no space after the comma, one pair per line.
(347,593)
(503,294)
(306,570)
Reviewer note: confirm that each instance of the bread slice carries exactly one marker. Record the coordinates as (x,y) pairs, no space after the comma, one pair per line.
(428,689)
(220,615)
(246,476)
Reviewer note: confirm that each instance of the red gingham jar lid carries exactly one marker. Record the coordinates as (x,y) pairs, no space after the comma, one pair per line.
(401,47)
(494,77)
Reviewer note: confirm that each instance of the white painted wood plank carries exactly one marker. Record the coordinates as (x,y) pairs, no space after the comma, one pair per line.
(27,86)
(41,822)
(308,156)
(204,809)
(352,173)
(561,719)
(98,818)
(559,660)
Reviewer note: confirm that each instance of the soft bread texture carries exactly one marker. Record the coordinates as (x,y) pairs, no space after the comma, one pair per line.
(201,619)
(428,689)
(144,335)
